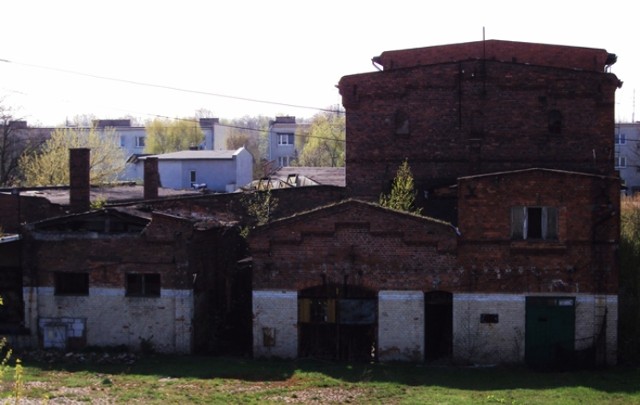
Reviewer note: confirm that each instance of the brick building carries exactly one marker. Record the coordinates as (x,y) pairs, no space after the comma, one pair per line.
(511,149)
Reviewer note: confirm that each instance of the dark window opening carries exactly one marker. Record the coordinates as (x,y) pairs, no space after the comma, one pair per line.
(143,285)
(488,318)
(555,121)
(534,223)
(67,283)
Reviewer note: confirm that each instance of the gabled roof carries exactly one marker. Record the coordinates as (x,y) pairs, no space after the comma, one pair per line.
(132,221)
(350,203)
(534,169)
(332,176)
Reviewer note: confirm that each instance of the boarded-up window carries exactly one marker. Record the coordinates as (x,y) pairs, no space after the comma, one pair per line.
(357,311)
(316,310)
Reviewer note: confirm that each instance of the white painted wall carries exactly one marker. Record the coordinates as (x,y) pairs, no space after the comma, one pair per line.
(110,318)
(401,326)
(277,311)
(504,342)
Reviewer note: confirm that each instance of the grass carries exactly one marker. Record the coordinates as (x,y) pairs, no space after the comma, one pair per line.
(196,379)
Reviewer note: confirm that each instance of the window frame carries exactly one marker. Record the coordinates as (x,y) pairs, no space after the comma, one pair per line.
(284,161)
(71,283)
(140,141)
(285,138)
(149,287)
(620,139)
(620,161)
(522,229)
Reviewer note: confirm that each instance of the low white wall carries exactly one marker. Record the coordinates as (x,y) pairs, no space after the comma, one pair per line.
(275,323)
(109,318)
(485,343)
(401,326)
(504,342)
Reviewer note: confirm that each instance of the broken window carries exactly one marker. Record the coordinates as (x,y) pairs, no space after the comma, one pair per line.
(71,283)
(534,223)
(143,285)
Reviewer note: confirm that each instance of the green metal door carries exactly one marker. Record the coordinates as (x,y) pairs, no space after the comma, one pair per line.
(549,330)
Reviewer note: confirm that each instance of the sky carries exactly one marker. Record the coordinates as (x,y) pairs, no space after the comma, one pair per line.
(147,59)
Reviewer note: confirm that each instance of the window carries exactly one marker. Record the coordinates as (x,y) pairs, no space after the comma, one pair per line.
(620,139)
(140,141)
(555,121)
(143,285)
(488,318)
(285,139)
(192,176)
(620,161)
(534,223)
(122,141)
(68,283)
(283,161)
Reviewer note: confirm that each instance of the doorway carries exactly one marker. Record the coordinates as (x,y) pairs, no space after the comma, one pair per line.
(438,325)
(337,322)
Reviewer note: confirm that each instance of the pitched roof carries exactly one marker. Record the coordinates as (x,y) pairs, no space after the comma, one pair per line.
(331,176)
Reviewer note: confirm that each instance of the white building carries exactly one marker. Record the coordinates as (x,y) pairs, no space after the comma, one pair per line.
(627,155)
(282,148)
(215,170)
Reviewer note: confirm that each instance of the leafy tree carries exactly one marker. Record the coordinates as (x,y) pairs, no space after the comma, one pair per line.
(259,206)
(165,136)
(50,164)
(15,140)
(403,194)
(629,299)
(324,144)
(252,133)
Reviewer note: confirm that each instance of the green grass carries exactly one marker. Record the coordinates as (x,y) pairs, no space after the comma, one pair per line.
(206,380)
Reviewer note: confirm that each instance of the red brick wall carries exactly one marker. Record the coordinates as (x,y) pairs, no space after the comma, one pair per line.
(14,211)
(162,249)
(474,117)
(354,243)
(583,259)
(509,51)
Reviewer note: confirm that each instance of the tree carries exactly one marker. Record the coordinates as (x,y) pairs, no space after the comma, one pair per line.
(50,164)
(164,136)
(324,144)
(15,140)
(252,133)
(403,194)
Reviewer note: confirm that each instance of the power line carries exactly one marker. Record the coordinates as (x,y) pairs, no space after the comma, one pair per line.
(173,88)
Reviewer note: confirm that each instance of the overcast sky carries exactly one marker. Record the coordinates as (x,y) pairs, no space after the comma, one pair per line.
(286,53)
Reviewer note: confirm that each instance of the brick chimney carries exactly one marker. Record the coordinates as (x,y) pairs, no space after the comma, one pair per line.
(80,187)
(151,178)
